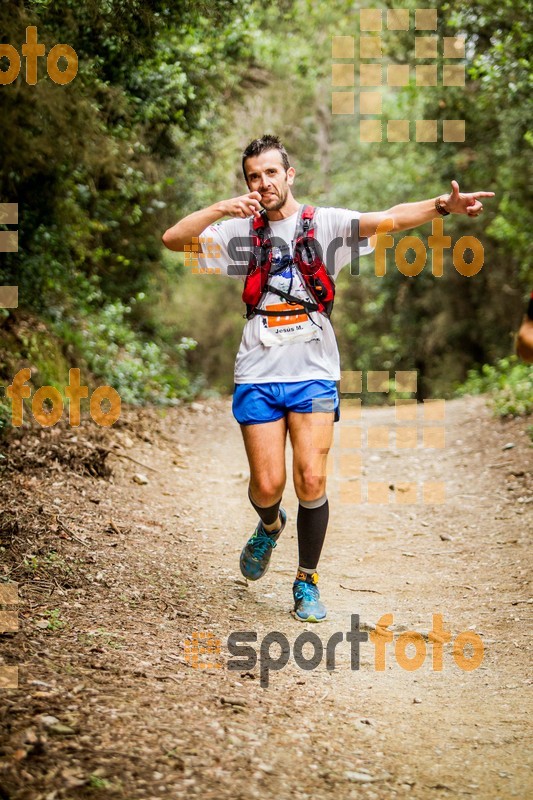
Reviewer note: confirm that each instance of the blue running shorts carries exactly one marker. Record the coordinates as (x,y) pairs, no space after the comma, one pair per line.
(254,403)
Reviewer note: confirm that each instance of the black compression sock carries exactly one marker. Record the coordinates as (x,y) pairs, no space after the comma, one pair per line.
(268,515)
(311,523)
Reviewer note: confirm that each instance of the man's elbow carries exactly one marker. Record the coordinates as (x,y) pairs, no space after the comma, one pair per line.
(172,241)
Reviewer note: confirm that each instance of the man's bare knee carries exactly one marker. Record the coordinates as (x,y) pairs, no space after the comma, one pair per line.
(309,486)
(265,492)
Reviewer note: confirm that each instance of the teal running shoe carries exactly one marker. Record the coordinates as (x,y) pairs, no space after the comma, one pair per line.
(255,556)
(307,604)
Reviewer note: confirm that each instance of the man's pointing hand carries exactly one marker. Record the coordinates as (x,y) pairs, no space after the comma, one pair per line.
(459,203)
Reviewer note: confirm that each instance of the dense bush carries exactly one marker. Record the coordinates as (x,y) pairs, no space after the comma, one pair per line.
(509,384)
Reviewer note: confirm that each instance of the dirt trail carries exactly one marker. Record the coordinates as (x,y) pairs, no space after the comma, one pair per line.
(152,564)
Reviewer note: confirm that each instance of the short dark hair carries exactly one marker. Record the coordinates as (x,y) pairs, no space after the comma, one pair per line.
(266,142)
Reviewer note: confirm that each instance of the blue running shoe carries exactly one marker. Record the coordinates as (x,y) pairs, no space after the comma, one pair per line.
(255,556)
(307,604)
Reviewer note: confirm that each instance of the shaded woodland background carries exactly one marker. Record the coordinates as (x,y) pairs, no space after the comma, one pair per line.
(166,97)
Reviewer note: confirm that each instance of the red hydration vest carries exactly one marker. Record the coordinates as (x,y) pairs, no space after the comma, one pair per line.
(306,258)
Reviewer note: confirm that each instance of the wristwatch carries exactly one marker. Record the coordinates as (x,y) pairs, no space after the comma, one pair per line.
(440,208)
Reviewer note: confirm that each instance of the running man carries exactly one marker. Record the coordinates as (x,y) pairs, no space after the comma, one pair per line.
(524,339)
(288,362)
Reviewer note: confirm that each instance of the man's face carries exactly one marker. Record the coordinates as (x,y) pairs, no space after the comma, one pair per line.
(266,174)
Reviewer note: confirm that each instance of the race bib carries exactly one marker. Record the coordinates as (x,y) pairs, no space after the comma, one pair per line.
(286,328)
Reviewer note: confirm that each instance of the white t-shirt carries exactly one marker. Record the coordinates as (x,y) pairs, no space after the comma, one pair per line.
(285,348)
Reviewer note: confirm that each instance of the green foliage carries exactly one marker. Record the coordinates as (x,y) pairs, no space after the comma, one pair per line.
(152,127)
(141,371)
(96,782)
(509,384)
(438,326)
(5,420)
(211,310)
(441,327)
(55,622)
(95,164)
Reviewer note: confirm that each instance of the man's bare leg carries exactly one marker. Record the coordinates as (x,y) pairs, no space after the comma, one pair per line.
(311,437)
(265,448)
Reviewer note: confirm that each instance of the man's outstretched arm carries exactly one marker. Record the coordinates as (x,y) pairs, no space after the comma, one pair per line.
(411,215)
(194,224)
